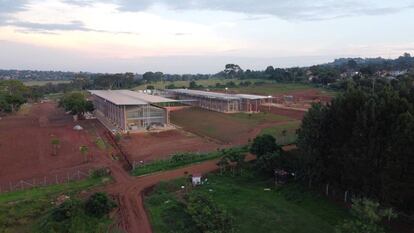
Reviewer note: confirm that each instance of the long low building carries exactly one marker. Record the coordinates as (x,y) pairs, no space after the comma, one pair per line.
(220,102)
(130,110)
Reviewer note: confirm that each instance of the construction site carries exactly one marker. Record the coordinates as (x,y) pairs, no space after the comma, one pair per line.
(220,102)
(124,110)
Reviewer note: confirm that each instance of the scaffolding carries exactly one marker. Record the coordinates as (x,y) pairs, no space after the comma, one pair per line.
(220,102)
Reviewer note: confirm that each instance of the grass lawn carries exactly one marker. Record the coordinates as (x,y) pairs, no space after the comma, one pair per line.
(289,209)
(20,210)
(221,126)
(285,134)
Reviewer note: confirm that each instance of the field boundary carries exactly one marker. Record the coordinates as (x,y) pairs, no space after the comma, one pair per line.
(47,180)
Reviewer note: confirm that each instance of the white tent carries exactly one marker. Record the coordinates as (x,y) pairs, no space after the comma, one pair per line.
(78,127)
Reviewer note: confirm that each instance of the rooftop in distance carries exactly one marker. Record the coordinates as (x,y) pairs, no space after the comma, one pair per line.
(218,95)
(126,97)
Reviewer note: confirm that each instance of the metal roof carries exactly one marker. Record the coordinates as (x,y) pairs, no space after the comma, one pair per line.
(126,97)
(146,97)
(253,97)
(217,95)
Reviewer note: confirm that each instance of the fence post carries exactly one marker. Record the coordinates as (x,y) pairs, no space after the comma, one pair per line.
(10,186)
(346,196)
(327,189)
(57,181)
(78,175)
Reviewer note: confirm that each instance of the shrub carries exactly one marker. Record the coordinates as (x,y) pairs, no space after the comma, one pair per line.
(99,205)
(101,172)
(368,216)
(207,215)
(66,210)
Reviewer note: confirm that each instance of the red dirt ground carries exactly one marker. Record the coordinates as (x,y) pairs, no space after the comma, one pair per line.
(295,114)
(25,144)
(150,146)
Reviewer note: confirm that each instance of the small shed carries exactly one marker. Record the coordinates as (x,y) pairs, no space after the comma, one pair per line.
(196,179)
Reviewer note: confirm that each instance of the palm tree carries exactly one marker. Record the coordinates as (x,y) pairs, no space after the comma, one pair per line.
(84,151)
(55,143)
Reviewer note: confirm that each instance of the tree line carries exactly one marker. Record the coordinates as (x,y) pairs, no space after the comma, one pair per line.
(363,142)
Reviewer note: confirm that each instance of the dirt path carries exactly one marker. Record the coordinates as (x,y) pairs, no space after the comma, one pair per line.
(128,191)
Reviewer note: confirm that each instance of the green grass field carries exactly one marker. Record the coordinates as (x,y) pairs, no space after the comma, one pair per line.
(285,134)
(20,210)
(42,83)
(221,126)
(289,209)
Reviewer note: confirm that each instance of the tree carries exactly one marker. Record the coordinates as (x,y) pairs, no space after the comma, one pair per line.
(98,205)
(13,94)
(193,85)
(84,151)
(264,144)
(76,103)
(55,144)
(223,163)
(267,163)
(362,141)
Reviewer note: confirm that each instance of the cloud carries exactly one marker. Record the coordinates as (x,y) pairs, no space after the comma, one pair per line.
(71,26)
(10,6)
(297,10)
(52,28)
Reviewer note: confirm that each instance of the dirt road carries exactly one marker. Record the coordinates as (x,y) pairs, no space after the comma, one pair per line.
(128,191)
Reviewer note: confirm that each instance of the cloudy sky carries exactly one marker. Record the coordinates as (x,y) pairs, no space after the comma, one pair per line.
(198,36)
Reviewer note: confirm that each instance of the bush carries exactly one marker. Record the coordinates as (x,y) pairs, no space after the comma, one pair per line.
(99,205)
(207,215)
(177,210)
(101,172)
(66,210)
(368,216)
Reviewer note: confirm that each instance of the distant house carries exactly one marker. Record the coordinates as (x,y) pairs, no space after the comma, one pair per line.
(196,179)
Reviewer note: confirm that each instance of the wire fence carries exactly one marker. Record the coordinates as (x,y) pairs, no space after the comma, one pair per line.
(48,180)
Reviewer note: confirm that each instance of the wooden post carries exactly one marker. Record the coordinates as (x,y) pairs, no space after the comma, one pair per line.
(327,189)
(56,178)
(346,196)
